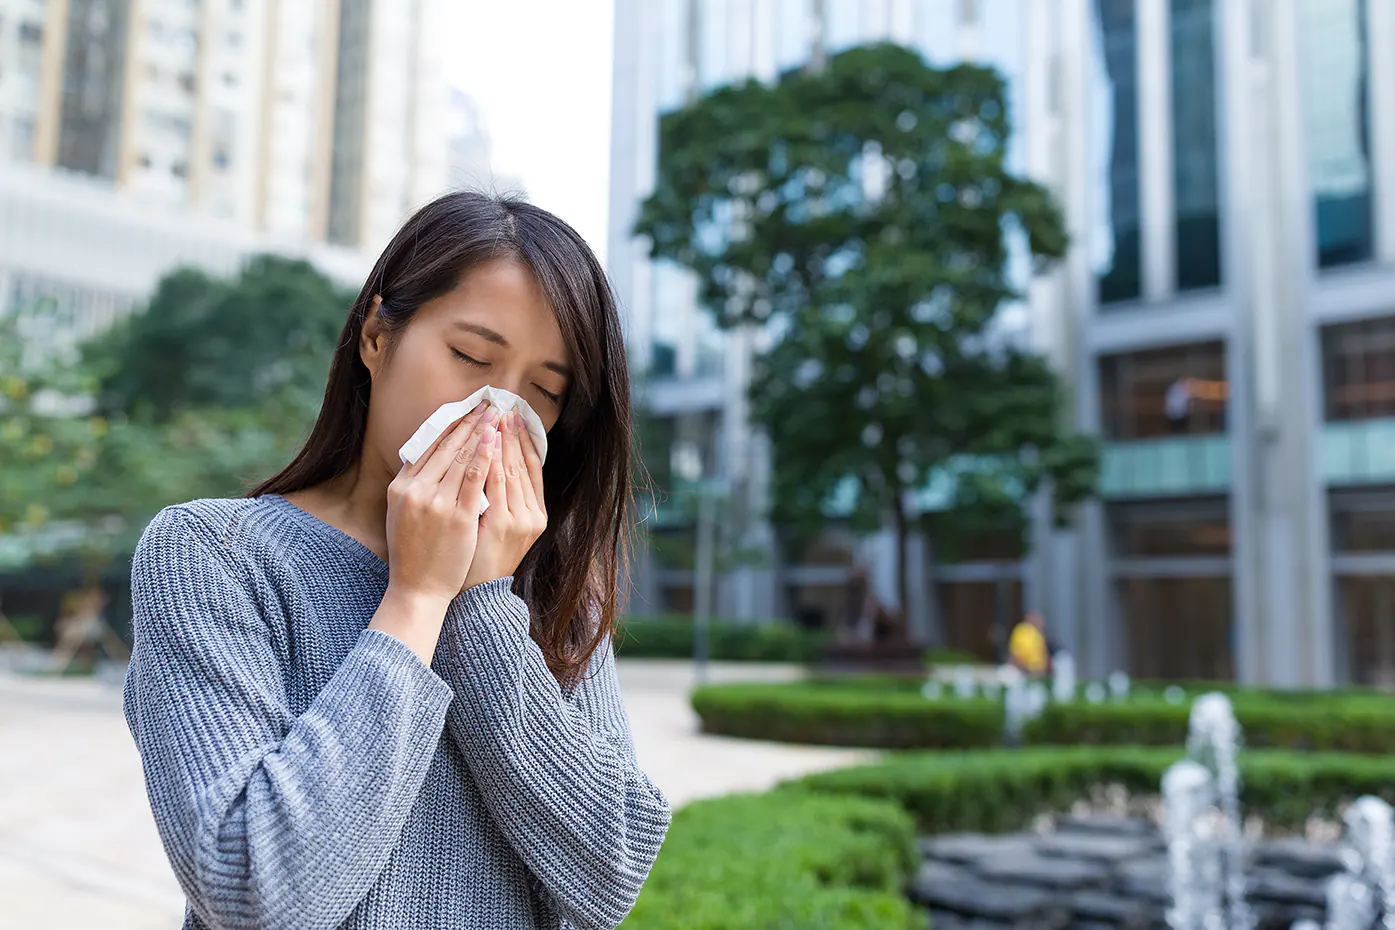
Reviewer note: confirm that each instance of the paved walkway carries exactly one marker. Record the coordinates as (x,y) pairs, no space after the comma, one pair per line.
(78,848)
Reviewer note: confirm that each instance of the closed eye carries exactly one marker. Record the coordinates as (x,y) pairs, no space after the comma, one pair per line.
(469,360)
(555,398)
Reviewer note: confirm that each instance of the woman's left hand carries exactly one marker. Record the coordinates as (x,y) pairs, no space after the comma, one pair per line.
(516,516)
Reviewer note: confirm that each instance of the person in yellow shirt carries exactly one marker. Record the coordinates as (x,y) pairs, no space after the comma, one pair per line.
(1027,648)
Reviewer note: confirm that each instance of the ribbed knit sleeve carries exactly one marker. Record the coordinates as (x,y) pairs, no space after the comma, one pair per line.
(557,772)
(269,820)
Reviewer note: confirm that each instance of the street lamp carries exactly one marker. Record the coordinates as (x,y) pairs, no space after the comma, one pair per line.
(687,464)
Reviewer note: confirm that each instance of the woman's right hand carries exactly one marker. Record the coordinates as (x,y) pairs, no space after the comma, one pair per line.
(433,511)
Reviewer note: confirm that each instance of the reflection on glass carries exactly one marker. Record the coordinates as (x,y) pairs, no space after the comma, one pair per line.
(1118,258)
(672,302)
(1196,187)
(673,54)
(1164,392)
(1336,109)
(792,34)
(712,44)
(1358,368)
(842,26)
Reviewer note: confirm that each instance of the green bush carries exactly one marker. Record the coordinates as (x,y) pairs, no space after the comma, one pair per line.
(892,714)
(997,791)
(845,714)
(672,638)
(785,859)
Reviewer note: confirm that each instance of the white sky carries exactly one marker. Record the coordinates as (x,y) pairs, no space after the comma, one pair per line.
(541,71)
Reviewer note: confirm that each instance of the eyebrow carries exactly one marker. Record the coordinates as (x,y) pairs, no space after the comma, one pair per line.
(498,339)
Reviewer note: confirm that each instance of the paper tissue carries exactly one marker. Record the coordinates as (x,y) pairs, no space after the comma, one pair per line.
(414,448)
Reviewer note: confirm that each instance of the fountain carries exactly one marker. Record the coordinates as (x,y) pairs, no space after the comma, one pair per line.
(1195,867)
(964,682)
(1201,797)
(1363,896)
(1063,678)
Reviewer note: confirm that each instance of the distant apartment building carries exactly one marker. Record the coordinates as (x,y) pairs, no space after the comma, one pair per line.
(301,119)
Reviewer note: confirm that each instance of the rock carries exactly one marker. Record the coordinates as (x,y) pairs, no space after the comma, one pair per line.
(1003,903)
(1113,910)
(1273,885)
(971,848)
(1299,857)
(932,875)
(1101,824)
(1102,847)
(1269,916)
(1056,873)
(1144,878)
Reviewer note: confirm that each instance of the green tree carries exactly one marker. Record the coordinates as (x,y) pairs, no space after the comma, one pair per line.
(206,391)
(864,213)
(264,338)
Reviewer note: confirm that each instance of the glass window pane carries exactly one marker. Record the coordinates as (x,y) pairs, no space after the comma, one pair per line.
(936,29)
(1114,139)
(1336,109)
(1196,167)
(1180,390)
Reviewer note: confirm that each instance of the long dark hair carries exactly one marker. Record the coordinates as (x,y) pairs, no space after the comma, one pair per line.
(571,577)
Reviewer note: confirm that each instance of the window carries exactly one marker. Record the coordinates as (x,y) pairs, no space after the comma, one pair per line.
(221,159)
(1196,168)
(188,82)
(1358,368)
(1162,392)
(180,169)
(1363,521)
(1336,110)
(31,33)
(1118,257)
(1174,528)
(22,139)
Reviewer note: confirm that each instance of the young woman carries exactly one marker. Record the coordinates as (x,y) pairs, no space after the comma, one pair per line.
(361,703)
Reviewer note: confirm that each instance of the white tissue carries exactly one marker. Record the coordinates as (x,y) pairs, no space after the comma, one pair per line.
(414,448)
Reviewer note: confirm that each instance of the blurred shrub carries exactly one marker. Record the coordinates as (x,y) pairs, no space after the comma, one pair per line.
(835,849)
(998,790)
(846,714)
(671,637)
(784,859)
(892,714)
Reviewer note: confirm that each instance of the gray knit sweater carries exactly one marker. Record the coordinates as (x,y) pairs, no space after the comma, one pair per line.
(308,772)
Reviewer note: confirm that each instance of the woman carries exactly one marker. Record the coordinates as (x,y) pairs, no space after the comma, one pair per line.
(361,703)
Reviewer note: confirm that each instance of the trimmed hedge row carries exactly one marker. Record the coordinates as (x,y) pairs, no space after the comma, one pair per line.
(672,638)
(834,850)
(998,791)
(896,716)
(784,859)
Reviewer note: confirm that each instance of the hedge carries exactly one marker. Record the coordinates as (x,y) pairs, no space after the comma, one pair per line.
(785,859)
(896,716)
(834,850)
(997,791)
(672,638)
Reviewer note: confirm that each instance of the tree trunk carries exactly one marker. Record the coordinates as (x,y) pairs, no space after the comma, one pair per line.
(903,606)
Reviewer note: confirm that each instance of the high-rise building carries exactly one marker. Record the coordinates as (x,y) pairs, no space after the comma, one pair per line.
(302,119)
(1223,320)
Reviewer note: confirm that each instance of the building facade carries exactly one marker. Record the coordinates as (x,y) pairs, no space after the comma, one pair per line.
(1224,322)
(307,119)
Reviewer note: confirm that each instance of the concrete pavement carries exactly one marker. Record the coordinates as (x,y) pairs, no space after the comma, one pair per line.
(78,847)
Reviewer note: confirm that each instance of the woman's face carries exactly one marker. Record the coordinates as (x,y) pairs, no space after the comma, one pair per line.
(495,328)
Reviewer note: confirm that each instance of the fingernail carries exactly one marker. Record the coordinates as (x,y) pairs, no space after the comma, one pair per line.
(491,415)
(515,421)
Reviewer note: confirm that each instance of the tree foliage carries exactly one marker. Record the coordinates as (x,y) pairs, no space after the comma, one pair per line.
(864,215)
(207,390)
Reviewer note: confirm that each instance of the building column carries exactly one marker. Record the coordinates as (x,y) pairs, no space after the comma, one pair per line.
(1156,207)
